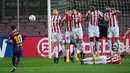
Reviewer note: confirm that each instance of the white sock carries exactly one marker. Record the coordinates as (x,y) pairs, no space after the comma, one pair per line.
(78,45)
(63,48)
(118,43)
(83,47)
(110,46)
(88,62)
(99,62)
(87,59)
(67,52)
(97,46)
(14,67)
(91,47)
(56,51)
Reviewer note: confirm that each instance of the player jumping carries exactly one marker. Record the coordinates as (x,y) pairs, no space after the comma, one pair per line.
(17,39)
(68,34)
(56,33)
(93,28)
(77,19)
(111,16)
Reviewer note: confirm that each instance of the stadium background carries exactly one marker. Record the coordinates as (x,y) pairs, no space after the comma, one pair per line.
(8,13)
(38,29)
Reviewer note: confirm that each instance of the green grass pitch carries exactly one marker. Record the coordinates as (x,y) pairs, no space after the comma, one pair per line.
(45,65)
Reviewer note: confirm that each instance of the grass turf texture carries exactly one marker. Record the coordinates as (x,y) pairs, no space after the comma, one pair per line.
(45,65)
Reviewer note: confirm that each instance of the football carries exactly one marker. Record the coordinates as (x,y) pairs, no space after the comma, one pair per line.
(32,17)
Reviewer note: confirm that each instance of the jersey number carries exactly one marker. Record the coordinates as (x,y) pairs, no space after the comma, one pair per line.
(18,39)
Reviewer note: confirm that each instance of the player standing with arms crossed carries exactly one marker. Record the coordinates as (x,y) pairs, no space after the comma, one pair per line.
(56,33)
(93,28)
(111,16)
(77,19)
(17,39)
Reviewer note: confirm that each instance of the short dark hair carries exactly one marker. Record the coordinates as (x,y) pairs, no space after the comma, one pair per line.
(73,8)
(13,27)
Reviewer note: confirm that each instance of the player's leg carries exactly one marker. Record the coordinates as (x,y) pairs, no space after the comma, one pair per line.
(91,35)
(75,43)
(67,53)
(16,61)
(56,52)
(77,47)
(67,46)
(89,60)
(109,37)
(13,59)
(54,42)
(19,56)
(116,35)
(97,46)
(100,60)
(13,62)
(96,32)
(82,45)
(61,43)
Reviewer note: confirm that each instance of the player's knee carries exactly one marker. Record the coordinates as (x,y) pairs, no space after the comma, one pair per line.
(97,38)
(91,39)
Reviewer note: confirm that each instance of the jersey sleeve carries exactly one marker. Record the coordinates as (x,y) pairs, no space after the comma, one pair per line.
(87,13)
(64,18)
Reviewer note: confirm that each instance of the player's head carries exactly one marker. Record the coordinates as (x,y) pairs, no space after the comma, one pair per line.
(55,11)
(13,27)
(108,8)
(74,11)
(113,9)
(92,7)
(122,55)
(66,11)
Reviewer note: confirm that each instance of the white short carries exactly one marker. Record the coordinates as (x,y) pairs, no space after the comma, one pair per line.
(56,37)
(68,36)
(77,33)
(93,31)
(113,31)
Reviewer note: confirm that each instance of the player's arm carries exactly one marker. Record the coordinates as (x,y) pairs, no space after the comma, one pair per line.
(126,33)
(81,18)
(115,11)
(63,20)
(100,14)
(10,39)
(60,21)
(105,18)
(87,15)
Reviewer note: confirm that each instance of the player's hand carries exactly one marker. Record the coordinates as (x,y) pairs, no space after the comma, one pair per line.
(6,41)
(124,37)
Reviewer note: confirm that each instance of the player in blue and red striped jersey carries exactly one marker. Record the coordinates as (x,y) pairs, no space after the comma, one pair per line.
(17,39)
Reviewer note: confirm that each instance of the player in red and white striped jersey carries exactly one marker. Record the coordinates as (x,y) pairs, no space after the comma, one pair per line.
(111,16)
(56,32)
(93,16)
(77,19)
(67,19)
(115,59)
